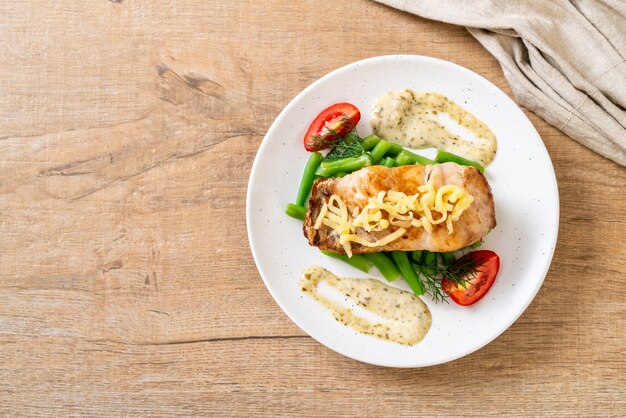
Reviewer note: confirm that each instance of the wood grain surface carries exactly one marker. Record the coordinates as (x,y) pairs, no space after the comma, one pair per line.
(127,132)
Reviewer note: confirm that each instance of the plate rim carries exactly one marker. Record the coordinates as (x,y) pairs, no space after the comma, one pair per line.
(552,183)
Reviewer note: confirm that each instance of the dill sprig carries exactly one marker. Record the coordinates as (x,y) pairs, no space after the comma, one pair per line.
(348,146)
(460,274)
(341,146)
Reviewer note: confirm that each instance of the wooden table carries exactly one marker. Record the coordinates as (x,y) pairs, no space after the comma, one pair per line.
(128,129)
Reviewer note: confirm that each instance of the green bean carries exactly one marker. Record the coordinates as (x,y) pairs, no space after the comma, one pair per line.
(402,159)
(349,164)
(430,262)
(394,150)
(308,177)
(472,246)
(296,211)
(356,261)
(369,142)
(448,157)
(417,256)
(379,150)
(384,265)
(476,244)
(407,157)
(340,174)
(352,137)
(430,258)
(402,262)
(422,160)
(388,162)
(447,258)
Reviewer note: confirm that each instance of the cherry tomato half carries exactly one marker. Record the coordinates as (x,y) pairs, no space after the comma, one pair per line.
(488,264)
(330,125)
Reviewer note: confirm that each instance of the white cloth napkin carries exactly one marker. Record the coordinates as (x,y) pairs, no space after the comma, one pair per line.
(563,59)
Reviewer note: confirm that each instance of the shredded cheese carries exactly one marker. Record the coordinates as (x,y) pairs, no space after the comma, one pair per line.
(425,209)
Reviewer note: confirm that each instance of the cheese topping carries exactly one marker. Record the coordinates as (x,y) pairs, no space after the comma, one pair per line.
(425,209)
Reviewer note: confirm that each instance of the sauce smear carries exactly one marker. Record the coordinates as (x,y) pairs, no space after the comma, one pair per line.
(415,120)
(405,318)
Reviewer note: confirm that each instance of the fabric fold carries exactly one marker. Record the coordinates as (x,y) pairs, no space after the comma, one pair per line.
(564,60)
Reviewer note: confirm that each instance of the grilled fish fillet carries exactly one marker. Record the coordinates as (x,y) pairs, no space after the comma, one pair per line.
(355,189)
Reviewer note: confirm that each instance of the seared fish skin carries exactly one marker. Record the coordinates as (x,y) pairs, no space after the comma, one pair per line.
(356,188)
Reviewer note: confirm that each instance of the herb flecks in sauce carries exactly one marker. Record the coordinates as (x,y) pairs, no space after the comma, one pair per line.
(413,119)
(406,319)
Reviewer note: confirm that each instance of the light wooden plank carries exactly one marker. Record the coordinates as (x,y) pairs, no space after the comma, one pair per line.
(128,127)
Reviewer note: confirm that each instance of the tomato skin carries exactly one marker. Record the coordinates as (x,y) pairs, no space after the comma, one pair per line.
(335,118)
(488,263)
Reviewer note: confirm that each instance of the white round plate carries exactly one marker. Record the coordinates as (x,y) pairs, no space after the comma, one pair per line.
(521,176)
